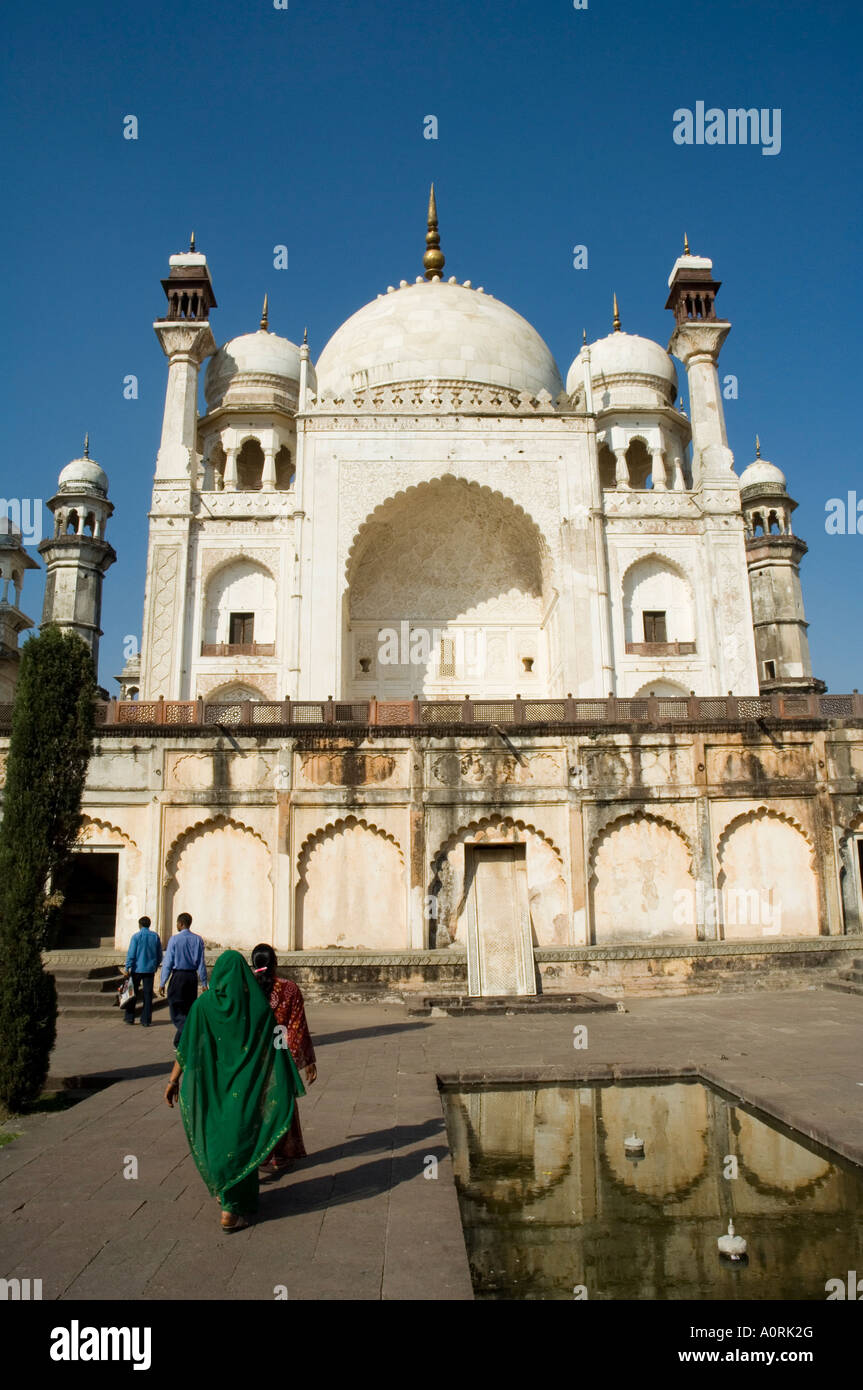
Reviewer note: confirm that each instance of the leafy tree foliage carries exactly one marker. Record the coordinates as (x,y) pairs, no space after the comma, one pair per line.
(52,733)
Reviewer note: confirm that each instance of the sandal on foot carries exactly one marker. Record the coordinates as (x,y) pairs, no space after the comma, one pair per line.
(230,1222)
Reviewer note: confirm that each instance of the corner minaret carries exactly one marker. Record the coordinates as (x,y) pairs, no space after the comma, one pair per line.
(773,556)
(697,341)
(186,340)
(14,560)
(77,555)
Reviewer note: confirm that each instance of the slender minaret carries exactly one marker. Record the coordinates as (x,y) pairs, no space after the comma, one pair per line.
(697,341)
(186,340)
(14,560)
(773,555)
(77,555)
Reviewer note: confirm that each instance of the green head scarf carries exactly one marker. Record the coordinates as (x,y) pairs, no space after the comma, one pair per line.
(239,1080)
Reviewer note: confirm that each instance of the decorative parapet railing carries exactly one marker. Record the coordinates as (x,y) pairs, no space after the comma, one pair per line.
(439,714)
(238,649)
(660,648)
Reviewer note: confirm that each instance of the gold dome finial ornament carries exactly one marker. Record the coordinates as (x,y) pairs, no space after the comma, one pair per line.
(686,250)
(616,324)
(192,242)
(87,445)
(757,447)
(434,259)
(584,337)
(265,318)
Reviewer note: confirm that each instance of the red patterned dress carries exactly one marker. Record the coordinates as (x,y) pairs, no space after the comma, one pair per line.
(286,1002)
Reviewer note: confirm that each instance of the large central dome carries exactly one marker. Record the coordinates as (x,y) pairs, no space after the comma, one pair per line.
(436,331)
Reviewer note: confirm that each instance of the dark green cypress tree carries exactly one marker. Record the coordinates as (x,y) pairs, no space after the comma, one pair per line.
(52,735)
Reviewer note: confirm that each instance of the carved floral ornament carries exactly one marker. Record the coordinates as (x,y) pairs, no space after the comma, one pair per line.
(478,768)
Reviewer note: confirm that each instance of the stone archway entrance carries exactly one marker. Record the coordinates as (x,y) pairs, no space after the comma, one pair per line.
(88,917)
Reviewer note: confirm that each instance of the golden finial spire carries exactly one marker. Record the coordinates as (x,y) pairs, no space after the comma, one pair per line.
(265,318)
(686,251)
(306,336)
(757,447)
(616,324)
(192,242)
(87,445)
(434,259)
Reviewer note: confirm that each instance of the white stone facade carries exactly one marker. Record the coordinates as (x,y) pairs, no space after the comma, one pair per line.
(428,513)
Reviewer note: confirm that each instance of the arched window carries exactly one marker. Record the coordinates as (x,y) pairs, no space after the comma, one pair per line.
(72,523)
(250,467)
(286,473)
(657,605)
(234,694)
(640,466)
(607,466)
(240,610)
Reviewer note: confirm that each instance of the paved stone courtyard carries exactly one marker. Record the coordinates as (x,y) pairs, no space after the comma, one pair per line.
(358,1219)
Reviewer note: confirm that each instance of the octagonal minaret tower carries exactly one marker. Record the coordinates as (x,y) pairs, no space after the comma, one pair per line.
(697,340)
(14,560)
(186,339)
(773,556)
(77,555)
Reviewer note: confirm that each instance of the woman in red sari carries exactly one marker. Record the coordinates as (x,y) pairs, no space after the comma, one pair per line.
(286,1002)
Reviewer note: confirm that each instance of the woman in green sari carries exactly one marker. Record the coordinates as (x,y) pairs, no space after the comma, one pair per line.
(238,1086)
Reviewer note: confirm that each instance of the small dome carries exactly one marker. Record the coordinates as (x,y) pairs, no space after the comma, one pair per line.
(83,475)
(626,359)
(437,331)
(258,368)
(761,473)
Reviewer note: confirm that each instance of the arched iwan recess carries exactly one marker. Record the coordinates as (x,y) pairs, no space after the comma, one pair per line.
(351,889)
(468,574)
(219,871)
(641,884)
(766,879)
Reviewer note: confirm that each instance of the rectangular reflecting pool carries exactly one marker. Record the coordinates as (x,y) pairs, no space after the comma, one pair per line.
(554,1206)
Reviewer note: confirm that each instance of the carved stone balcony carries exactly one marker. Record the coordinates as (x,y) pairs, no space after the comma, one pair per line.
(238,649)
(660,648)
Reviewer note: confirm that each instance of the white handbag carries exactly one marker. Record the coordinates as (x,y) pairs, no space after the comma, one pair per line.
(127,992)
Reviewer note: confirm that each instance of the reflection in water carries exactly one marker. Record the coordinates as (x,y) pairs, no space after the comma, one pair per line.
(550,1201)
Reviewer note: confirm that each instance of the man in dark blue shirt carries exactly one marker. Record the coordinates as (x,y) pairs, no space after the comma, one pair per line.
(142,961)
(185,965)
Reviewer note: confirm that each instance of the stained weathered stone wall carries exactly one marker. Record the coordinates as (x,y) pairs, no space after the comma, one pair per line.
(313,840)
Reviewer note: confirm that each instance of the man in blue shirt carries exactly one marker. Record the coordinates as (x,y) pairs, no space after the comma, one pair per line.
(142,961)
(184,963)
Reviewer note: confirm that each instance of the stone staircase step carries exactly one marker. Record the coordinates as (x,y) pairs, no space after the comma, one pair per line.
(459,1005)
(98,1006)
(846,986)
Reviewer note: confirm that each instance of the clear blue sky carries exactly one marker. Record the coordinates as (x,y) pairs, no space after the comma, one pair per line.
(304,126)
